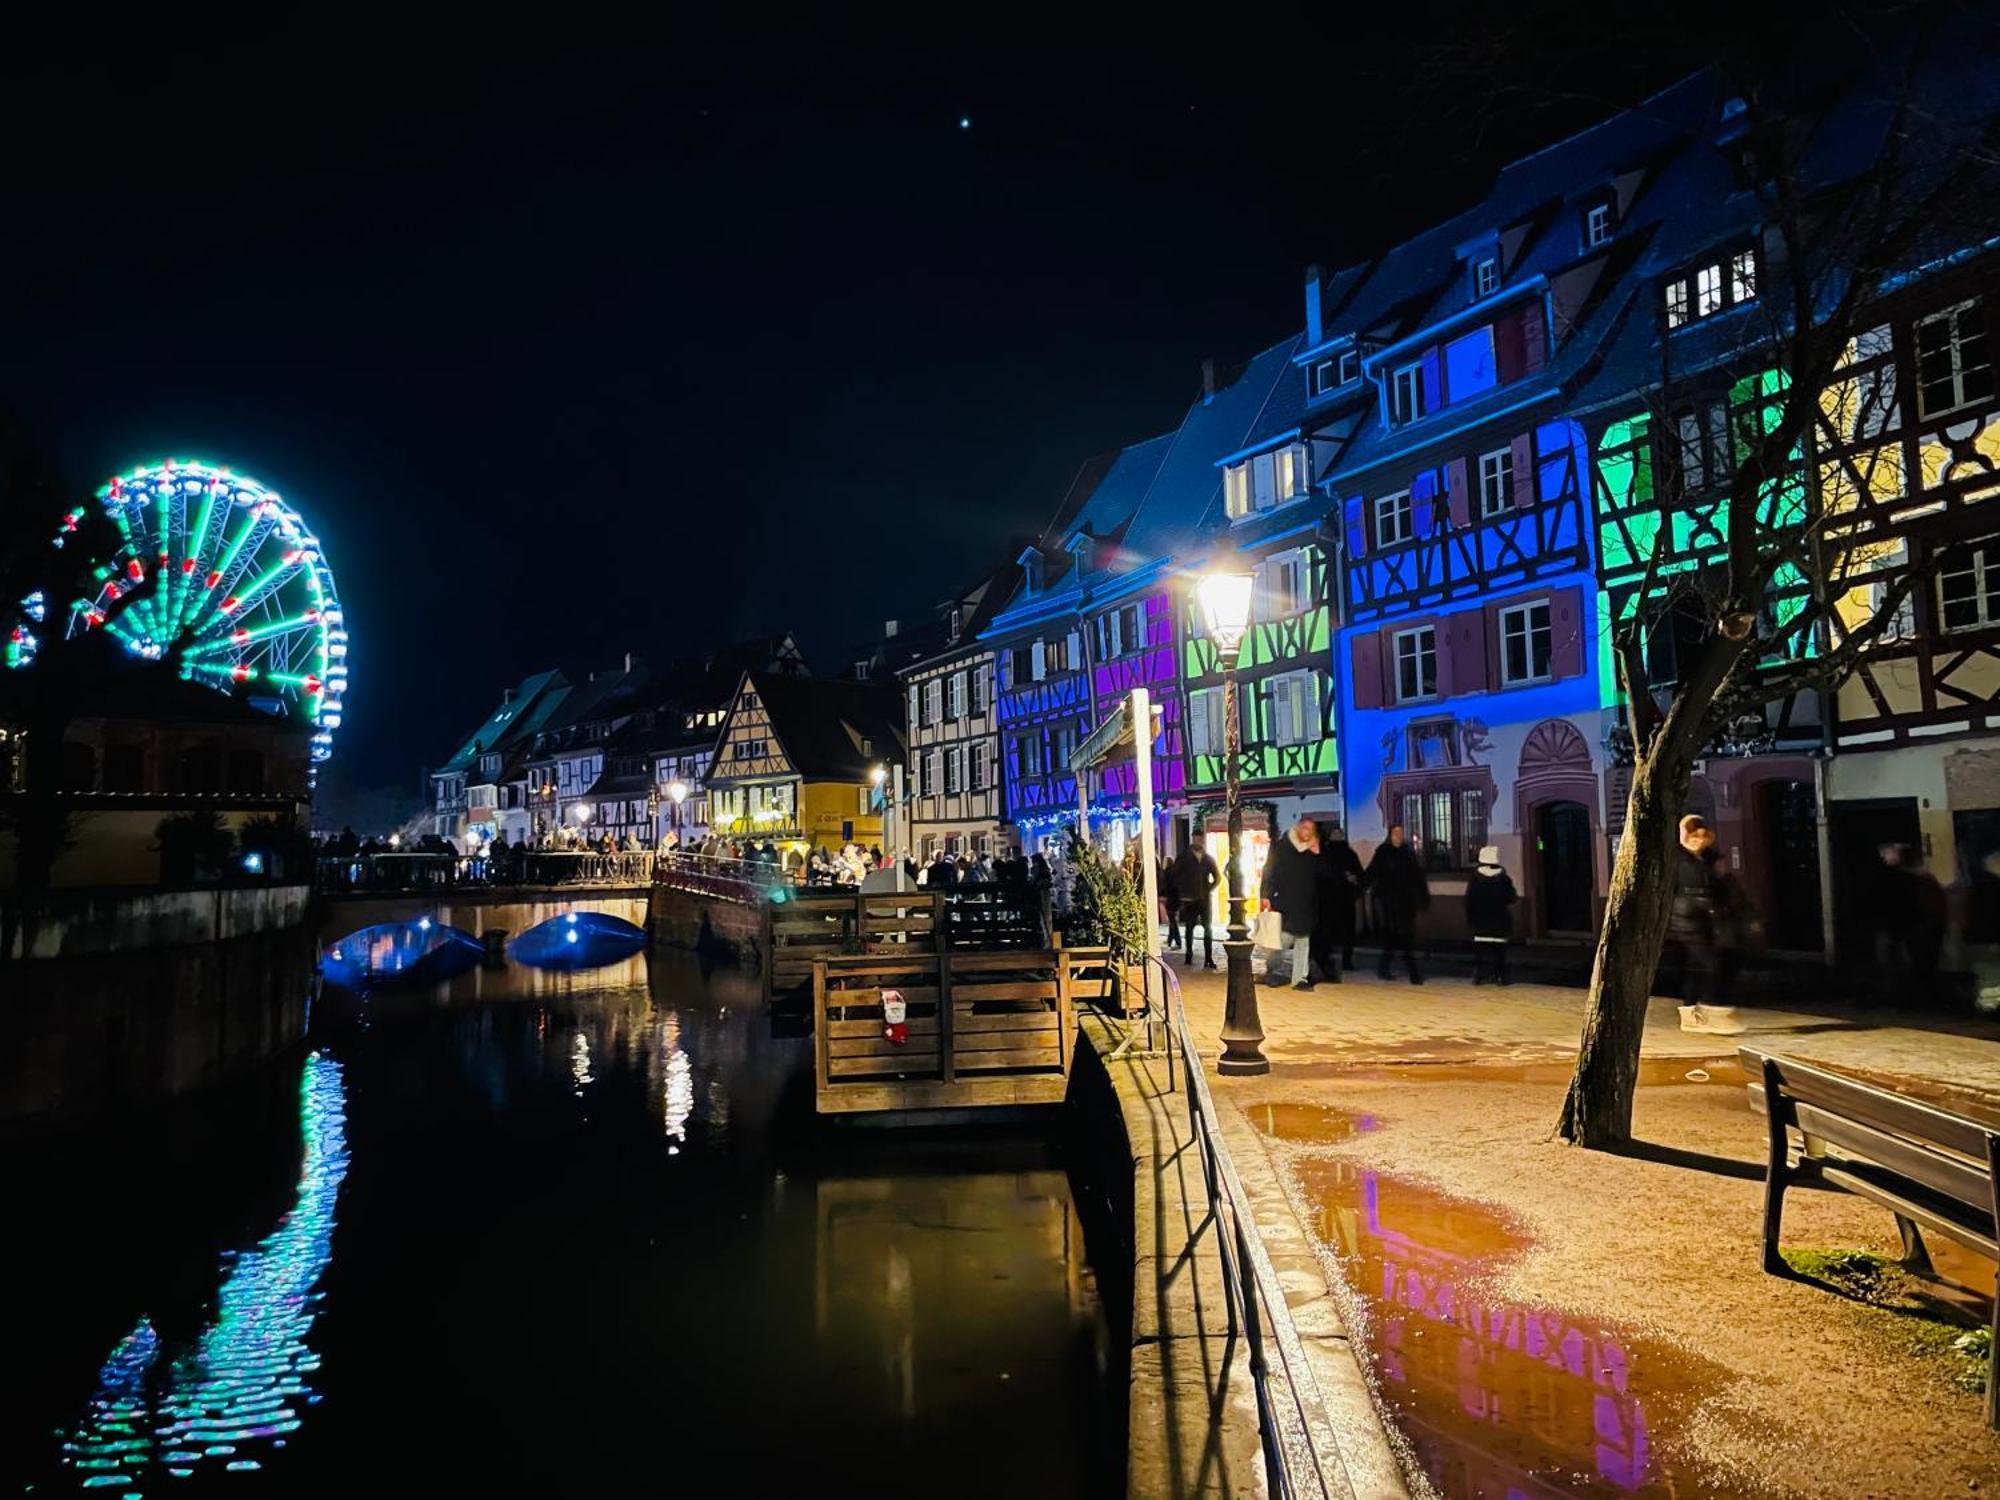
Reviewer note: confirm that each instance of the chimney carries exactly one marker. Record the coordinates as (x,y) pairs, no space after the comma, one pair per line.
(889,630)
(1207,380)
(628,661)
(506,697)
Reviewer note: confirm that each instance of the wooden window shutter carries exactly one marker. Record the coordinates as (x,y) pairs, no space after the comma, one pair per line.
(1447,680)
(1510,360)
(1566,627)
(1076,650)
(1433,393)
(1489,621)
(1367,648)
(1465,634)
(1314,727)
(1461,495)
(1524,470)
(1533,338)
(1281,710)
(1355,510)
(1423,503)
(1198,721)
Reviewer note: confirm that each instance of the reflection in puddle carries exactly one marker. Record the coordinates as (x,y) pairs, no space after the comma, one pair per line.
(241,1384)
(1654,1072)
(1499,1399)
(1308,1124)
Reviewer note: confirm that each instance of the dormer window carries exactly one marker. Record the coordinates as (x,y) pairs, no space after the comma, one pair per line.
(1406,394)
(1265,481)
(1715,287)
(1333,372)
(957,622)
(1486,276)
(1032,568)
(1597,225)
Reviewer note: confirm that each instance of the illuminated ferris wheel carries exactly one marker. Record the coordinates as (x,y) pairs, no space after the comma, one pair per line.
(219,574)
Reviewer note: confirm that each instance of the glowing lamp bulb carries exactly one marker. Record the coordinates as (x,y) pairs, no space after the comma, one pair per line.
(230,603)
(571,935)
(187,565)
(572,919)
(423,924)
(312,685)
(212,580)
(136,568)
(239,673)
(239,634)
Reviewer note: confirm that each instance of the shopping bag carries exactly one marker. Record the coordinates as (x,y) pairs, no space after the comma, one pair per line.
(1270,930)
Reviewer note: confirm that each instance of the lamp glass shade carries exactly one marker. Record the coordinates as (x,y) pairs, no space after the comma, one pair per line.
(677,790)
(1224,600)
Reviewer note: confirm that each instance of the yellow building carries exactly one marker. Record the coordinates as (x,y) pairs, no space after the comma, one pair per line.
(796,758)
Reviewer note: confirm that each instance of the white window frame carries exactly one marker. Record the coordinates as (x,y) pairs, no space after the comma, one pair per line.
(934,701)
(978,768)
(954,771)
(955,699)
(1399,507)
(1236,490)
(1985,575)
(933,772)
(1679,308)
(1519,620)
(1350,366)
(1264,481)
(982,686)
(1950,317)
(1271,604)
(916,705)
(1406,394)
(1596,225)
(1496,483)
(1486,276)
(1295,708)
(1423,642)
(1205,726)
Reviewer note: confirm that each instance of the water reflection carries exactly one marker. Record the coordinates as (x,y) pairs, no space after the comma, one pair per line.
(1500,1398)
(414,952)
(241,1386)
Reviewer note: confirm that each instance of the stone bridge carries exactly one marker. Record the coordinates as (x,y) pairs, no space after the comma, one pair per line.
(476,908)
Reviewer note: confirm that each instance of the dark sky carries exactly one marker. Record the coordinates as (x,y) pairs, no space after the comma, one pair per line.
(568,346)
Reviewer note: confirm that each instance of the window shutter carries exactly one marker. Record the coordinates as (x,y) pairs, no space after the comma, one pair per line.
(916,707)
(1367,652)
(1355,510)
(1566,632)
(1534,338)
(1461,496)
(1041,661)
(1198,722)
(1524,471)
(1489,622)
(1281,711)
(1423,503)
(1312,726)
(1465,634)
(1510,359)
(1433,397)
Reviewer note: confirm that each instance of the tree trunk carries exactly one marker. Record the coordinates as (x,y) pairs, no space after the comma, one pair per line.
(1598,1109)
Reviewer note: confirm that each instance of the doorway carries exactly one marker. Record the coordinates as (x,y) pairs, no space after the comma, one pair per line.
(1856,831)
(1790,824)
(1562,849)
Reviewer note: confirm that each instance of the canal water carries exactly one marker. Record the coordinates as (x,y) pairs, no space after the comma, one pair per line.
(553,1232)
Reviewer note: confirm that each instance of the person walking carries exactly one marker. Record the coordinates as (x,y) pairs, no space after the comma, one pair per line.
(1692,922)
(1291,887)
(1339,884)
(1489,903)
(1170,906)
(1402,893)
(1191,884)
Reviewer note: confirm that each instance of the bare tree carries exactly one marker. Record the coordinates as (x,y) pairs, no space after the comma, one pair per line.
(1794,592)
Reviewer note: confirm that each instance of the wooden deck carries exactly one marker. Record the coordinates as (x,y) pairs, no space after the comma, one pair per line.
(985,1028)
(815,923)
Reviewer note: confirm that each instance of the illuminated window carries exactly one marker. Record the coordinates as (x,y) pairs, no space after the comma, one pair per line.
(1702,440)
(1325,376)
(1486,276)
(1294,708)
(1416,664)
(1596,225)
(1954,365)
(1707,291)
(1496,482)
(1712,288)
(1392,519)
(1677,303)
(1284,586)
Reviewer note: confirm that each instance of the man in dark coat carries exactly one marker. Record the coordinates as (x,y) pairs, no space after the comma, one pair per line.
(1489,901)
(1692,921)
(1402,892)
(1291,887)
(1339,884)
(1191,881)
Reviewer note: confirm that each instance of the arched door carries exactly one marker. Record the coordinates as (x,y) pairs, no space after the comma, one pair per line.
(1562,857)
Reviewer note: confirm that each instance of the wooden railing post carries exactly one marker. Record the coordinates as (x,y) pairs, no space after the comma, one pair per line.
(941,940)
(822,1046)
(1064,1009)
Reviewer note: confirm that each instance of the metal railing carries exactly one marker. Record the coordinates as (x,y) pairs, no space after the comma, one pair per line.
(1302,1458)
(390,873)
(744,881)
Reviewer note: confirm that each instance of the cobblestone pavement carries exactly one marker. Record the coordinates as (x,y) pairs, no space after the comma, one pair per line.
(1367,1021)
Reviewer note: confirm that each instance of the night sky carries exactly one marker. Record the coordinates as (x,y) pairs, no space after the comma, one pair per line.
(573,347)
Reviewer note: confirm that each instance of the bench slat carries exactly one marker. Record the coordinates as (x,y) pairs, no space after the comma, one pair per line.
(1972,1230)
(1940,1173)
(1872,1106)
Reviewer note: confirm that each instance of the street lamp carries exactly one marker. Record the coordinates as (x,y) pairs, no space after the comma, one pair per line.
(1224,601)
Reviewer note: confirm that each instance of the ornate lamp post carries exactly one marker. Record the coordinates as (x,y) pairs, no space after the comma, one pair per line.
(677,793)
(1224,600)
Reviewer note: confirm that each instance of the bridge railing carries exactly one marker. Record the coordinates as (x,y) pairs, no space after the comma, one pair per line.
(744,881)
(426,871)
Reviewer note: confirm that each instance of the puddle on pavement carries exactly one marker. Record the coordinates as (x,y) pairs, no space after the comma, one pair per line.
(1309,1124)
(1501,1399)
(1654,1072)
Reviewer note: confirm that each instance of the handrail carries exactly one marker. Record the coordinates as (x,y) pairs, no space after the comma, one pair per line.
(1302,1457)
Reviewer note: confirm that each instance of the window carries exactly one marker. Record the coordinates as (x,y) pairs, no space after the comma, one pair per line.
(982,687)
(957,622)
(1416,664)
(1236,490)
(1496,482)
(933,700)
(954,770)
(980,752)
(1969,585)
(1350,366)
(933,772)
(1954,368)
(1446,825)
(1712,288)
(1284,591)
(1294,709)
(1392,519)
(1596,225)
(1486,276)
(916,705)
(1325,377)
(957,699)
(1703,445)
(1205,725)
(1119,631)
(1062,741)
(1406,394)
(1525,644)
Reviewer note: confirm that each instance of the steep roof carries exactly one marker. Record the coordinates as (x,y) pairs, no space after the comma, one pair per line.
(823,722)
(519,714)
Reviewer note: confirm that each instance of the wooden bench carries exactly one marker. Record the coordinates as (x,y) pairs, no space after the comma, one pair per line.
(1932,1169)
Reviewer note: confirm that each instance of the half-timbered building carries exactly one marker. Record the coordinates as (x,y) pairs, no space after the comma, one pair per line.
(953,786)
(795,761)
